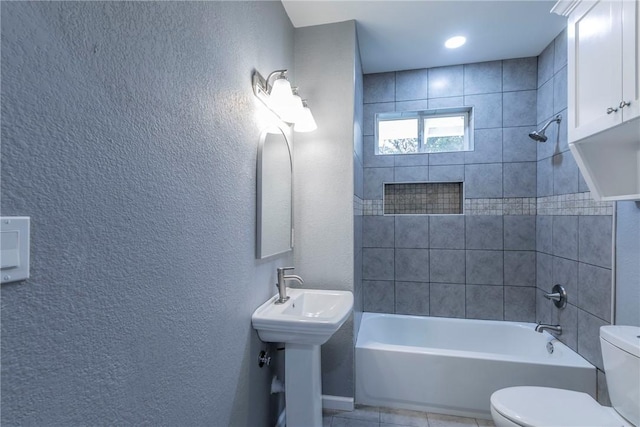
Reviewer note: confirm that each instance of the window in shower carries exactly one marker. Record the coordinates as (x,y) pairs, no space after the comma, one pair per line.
(426,131)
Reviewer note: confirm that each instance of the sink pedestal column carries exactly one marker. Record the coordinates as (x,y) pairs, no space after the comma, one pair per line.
(303,385)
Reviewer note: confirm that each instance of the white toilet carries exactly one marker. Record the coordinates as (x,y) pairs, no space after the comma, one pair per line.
(552,407)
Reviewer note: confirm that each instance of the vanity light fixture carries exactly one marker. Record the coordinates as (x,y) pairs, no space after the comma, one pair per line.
(277,94)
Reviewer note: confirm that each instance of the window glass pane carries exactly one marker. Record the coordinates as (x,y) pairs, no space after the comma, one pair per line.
(398,136)
(444,134)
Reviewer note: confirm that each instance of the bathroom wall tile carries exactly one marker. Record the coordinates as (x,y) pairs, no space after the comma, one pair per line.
(565,236)
(403,417)
(544,226)
(560,51)
(446,232)
(412,265)
(446,81)
(519,304)
(484,302)
(594,290)
(582,184)
(589,338)
(421,159)
(373,180)
(377,232)
(379,87)
(484,267)
(415,105)
(520,74)
(560,97)
(543,309)
(412,84)
(520,268)
(451,173)
(545,64)
(411,174)
(412,298)
(371,159)
(447,300)
(377,264)
(544,177)
(544,110)
(520,232)
(487,110)
(483,77)
(379,296)
(487,147)
(449,102)
(562,132)
(440,420)
(517,146)
(551,147)
(602,392)
(369,115)
(565,273)
(544,272)
(568,319)
(446,266)
(444,159)
(358,177)
(594,240)
(519,108)
(484,232)
(483,180)
(519,179)
(565,174)
(412,232)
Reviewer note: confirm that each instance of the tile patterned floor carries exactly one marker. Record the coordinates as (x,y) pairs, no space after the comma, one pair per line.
(368,416)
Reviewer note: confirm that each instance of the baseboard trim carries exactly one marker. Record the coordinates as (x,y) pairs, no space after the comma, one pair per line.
(337,403)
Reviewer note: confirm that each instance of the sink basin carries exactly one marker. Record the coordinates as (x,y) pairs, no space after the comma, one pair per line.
(310,316)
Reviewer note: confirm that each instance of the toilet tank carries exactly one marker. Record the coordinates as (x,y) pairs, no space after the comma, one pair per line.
(621,357)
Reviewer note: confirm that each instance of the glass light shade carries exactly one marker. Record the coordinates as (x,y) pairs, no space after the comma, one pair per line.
(281,95)
(292,112)
(305,122)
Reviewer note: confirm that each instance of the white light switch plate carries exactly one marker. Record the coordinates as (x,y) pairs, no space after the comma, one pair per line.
(14,248)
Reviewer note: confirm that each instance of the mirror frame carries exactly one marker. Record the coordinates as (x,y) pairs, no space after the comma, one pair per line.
(259,179)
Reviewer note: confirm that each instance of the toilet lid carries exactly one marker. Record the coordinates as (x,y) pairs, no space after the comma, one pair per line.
(543,406)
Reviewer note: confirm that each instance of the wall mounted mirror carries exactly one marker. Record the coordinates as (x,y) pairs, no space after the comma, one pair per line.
(274,195)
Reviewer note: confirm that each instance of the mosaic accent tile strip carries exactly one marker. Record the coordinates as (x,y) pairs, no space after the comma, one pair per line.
(573,204)
(506,206)
(372,207)
(423,198)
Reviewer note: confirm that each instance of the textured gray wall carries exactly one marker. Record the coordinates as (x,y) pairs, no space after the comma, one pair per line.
(628,263)
(129,135)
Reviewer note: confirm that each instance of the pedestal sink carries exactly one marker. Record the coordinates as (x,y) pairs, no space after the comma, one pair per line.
(303,323)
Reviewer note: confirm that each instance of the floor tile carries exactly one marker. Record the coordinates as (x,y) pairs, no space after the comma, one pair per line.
(439,420)
(361,412)
(403,417)
(485,423)
(352,422)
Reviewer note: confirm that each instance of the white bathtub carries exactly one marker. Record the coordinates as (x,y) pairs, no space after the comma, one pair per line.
(451,366)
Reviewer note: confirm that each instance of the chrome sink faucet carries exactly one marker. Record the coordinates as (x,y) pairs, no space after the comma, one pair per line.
(282,283)
(554,328)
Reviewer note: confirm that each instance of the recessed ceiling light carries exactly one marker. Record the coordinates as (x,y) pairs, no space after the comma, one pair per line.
(455,42)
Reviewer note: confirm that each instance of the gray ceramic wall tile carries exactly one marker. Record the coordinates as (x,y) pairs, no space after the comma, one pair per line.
(565,236)
(544,177)
(517,146)
(519,304)
(371,159)
(446,82)
(411,84)
(373,180)
(560,51)
(589,338)
(412,298)
(452,173)
(519,179)
(545,102)
(565,273)
(411,174)
(412,265)
(594,240)
(358,177)
(446,232)
(565,174)
(487,147)
(545,64)
(450,102)
(421,159)
(483,77)
(487,110)
(379,87)
(415,105)
(447,300)
(484,232)
(378,296)
(552,146)
(520,74)
(594,290)
(444,159)
(544,228)
(563,133)
(377,264)
(519,108)
(543,309)
(568,319)
(544,272)
(446,266)
(412,232)
(483,180)
(377,231)
(484,302)
(520,268)
(520,232)
(560,97)
(369,115)
(582,184)
(484,267)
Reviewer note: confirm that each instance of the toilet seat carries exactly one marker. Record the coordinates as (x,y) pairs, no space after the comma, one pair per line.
(544,406)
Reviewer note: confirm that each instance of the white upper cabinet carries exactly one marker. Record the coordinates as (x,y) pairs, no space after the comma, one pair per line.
(604,94)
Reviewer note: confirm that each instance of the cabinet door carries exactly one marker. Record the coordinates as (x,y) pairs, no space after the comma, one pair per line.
(595,67)
(630,59)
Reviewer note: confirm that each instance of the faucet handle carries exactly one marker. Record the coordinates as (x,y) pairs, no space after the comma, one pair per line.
(285,269)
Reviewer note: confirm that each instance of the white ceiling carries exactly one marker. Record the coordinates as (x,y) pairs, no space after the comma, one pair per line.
(404,35)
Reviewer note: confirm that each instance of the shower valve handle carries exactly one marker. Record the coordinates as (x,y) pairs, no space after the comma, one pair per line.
(611,110)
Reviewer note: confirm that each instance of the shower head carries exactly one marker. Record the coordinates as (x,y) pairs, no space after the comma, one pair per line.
(539,135)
